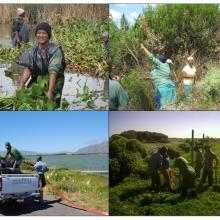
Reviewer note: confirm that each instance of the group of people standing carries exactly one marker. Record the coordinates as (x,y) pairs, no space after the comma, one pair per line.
(205,162)
(162,78)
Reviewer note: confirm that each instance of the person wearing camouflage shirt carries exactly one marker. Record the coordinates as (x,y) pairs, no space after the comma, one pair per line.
(45,58)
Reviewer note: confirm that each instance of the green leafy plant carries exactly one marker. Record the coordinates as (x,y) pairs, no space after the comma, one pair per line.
(86,96)
(33,98)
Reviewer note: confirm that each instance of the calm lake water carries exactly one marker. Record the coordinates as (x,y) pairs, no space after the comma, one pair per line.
(98,88)
(89,162)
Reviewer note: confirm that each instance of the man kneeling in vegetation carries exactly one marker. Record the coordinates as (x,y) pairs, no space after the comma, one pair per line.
(45,58)
(165,89)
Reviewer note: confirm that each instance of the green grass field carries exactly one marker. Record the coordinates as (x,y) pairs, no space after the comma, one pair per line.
(134,197)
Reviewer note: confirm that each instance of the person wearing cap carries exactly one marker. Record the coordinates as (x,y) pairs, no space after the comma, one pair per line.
(187,174)
(165,89)
(44,58)
(19,30)
(189,77)
(13,155)
(210,162)
(41,167)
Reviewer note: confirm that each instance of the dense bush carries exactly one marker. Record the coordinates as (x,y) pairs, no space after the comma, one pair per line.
(209,86)
(126,158)
(140,92)
(185,28)
(185,147)
(145,136)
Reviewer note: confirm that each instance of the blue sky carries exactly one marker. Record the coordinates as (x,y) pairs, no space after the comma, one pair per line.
(172,123)
(46,132)
(131,12)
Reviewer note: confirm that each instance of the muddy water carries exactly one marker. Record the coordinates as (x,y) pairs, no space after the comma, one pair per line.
(73,81)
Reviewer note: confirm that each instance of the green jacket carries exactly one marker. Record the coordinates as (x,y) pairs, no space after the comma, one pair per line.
(15,153)
(184,167)
(118,98)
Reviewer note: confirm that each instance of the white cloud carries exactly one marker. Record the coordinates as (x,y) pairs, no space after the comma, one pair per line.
(116,15)
(132,17)
(134,14)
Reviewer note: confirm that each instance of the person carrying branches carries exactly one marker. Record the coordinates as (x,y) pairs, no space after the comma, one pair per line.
(165,89)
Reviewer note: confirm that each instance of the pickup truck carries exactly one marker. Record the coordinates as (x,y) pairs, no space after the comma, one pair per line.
(17,186)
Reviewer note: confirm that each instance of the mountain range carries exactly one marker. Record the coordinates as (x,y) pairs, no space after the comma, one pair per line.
(99,148)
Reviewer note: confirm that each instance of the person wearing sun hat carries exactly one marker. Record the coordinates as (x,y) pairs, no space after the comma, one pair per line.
(44,58)
(19,29)
(189,77)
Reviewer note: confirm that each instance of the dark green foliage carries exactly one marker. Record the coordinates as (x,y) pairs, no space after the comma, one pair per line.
(82,45)
(185,147)
(146,136)
(140,91)
(126,158)
(185,28)
(124,23)
(133,195)
(33,98)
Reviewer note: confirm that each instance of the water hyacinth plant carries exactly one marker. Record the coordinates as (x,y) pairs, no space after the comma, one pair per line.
(33,98)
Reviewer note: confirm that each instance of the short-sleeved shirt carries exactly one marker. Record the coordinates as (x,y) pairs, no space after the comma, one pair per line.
(209,158)
(41,167)
(161,73)
(184,167)
(118,98)
(155,162)
(190,71)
